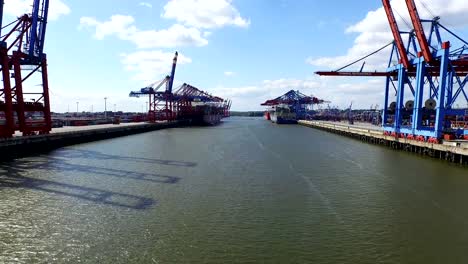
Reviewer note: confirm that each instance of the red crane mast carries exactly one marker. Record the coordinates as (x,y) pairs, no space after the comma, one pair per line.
(396,34)
(419,30)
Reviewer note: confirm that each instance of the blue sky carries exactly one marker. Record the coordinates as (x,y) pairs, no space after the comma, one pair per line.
(246,50)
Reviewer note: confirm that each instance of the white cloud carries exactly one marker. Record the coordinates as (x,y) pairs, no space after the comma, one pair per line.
(119,25)
(204,13)
(57,8)
(146,4)
(229,73)
(150,65)
(175,36)
(374,32)
(123,27)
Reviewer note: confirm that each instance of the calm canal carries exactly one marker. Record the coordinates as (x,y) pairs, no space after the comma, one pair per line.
(246,191)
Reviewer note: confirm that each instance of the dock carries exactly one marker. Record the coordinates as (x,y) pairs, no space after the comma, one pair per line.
(18,146)
(455,151)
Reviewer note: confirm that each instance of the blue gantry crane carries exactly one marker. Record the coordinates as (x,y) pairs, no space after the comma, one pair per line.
(296,101)
(428,78)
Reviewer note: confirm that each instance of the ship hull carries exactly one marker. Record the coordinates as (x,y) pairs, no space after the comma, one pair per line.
(202,116)
(281,119)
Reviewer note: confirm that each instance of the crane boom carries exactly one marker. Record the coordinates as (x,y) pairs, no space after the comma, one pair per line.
(1,16)
(419,30)
(38,28)
(396,34)
(347,73)
(174,64)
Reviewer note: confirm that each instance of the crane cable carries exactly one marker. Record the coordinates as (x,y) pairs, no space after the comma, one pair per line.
(8,26)
(404,20)
(427,8)
(365,56)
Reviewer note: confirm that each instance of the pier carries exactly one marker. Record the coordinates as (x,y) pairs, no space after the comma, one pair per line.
(59,137)
(455,151)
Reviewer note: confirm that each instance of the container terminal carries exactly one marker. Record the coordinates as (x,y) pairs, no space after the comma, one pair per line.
(27,114)
(427,73)
(184,182)
(425,84)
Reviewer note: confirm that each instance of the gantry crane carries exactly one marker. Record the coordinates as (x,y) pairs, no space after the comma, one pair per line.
(181,103)
(430,71)
(160,102)
(22,50)
(441,75)
(296,101)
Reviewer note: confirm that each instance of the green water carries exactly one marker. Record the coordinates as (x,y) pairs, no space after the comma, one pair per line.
(246,191)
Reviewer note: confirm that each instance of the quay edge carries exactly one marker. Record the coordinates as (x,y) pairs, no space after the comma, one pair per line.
(452,151)
(16,147)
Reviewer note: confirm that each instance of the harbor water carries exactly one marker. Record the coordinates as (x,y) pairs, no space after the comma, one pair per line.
(246,191)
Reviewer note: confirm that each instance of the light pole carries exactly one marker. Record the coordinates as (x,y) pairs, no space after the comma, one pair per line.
(105,107)
(77,107)
(146,104)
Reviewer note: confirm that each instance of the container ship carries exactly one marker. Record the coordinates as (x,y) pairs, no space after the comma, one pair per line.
(202,114)
(290,107)
(282,114)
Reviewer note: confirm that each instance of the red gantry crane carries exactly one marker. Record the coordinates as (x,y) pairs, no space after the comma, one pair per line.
(22,50)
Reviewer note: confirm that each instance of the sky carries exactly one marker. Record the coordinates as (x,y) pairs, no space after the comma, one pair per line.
(244,50)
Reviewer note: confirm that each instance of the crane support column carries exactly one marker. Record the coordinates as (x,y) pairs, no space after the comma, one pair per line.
(440,108)
(419,94)
(400,97)
(45,84)
(8,129)
(386,93)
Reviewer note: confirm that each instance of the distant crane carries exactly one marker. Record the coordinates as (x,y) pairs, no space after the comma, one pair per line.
(350,114)
(171,104)
(160,102)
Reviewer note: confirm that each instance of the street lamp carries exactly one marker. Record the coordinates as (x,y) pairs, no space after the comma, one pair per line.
(77,107)
(105,107)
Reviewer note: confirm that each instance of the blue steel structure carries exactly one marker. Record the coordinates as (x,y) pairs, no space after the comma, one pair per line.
(434,79)
(22,49)
(38,31)
(428,78)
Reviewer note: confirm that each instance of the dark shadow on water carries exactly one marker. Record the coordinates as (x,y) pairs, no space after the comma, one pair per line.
(16,175)
(62,165)
(95,155)
(14,178)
